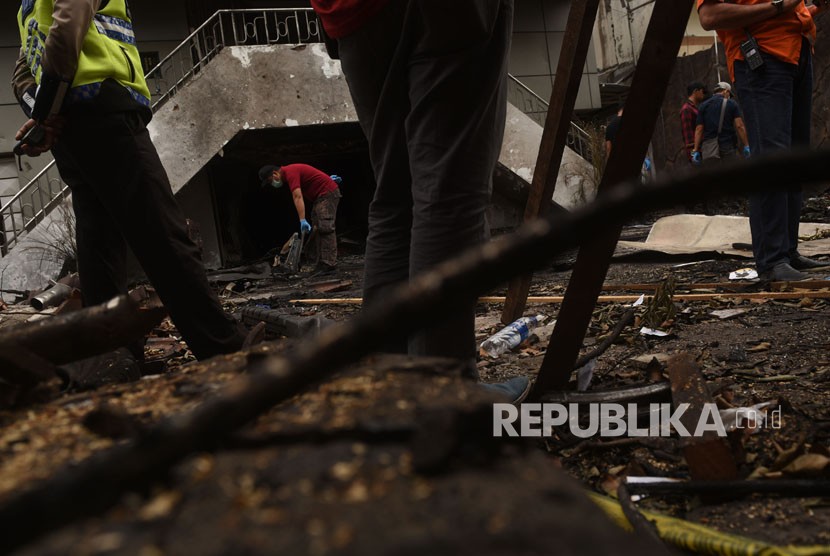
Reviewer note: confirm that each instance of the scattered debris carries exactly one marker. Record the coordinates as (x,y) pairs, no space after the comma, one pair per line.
(260,271)
(724,314)
(744,274)
(709,456)
(510,336)
(281,324)
(54,296)
(660,311)
(331,286)
(645,331)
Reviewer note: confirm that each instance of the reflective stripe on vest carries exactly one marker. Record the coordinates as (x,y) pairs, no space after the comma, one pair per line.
(118,29)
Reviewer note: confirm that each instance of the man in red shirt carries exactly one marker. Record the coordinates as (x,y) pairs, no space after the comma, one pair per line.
(768,48)
(688,116)
(428,79)
(310,187)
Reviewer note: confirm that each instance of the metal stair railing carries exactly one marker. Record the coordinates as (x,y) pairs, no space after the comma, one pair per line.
(249,27)
(536,108)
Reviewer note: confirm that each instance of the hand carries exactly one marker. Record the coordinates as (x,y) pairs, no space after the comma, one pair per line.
(747,152)
(305,226)
(697,158)
(53,126)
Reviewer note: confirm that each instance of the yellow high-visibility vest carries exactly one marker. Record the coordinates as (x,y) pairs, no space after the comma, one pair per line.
(108,51)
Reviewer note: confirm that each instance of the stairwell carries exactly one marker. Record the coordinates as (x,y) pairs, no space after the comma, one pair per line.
(241,78)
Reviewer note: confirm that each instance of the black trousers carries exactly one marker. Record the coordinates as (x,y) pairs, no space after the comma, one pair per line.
(121,196)
(428,80)
(777,102)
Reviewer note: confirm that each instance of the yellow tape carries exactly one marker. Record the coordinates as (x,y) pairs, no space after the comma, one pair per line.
(704,540)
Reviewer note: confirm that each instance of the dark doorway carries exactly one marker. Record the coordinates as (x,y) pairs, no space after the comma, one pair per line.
(253,220)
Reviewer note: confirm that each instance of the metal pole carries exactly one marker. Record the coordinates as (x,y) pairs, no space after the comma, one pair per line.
(659,53)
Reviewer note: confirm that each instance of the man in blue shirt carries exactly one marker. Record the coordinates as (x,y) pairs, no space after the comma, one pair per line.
(719,118)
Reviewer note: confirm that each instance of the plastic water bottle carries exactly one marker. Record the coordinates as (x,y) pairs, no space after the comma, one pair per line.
(511,336)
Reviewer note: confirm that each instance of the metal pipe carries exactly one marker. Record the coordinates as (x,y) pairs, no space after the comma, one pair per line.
(52,297)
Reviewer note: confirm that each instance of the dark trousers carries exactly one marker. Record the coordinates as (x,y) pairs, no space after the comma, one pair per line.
(428,80)
(776,101)
(121,196)
(324,216)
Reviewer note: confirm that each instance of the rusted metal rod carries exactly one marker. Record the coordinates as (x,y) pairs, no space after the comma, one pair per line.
(790,488)
(581,19)
(659,54)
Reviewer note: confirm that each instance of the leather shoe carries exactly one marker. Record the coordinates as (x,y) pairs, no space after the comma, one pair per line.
(800,262)
(783,272)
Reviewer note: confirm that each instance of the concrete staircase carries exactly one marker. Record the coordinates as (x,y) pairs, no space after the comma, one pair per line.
(239,84)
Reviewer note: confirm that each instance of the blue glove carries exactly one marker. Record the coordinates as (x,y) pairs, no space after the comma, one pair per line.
(697,158)
(747,152)
(305,226)
(336,179)
(647,164)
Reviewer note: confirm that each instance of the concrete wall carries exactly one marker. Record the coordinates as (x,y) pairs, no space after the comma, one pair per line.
(196,201)
(620,30)
(522,138)
(538,30)
(696,39)
(248,87)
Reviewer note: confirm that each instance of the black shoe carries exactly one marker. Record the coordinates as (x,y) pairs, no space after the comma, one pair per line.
(513,391)
(800,262)
(783,272)
(323,269)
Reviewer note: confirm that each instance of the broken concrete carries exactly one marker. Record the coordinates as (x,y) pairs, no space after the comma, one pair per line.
(575,185)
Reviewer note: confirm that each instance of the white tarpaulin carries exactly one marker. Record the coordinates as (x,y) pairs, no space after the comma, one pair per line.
(684,234)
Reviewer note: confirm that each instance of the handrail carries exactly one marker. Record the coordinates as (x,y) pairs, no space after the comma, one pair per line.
(29,206)
(536,108)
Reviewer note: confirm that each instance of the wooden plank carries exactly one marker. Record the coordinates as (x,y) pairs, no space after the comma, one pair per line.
(658,55)
(581,18)
(773,286)
(608,298)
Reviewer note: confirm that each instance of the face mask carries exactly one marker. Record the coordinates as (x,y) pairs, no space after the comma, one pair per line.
(276,184)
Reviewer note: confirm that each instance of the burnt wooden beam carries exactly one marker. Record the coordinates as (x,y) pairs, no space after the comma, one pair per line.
(85,333)
(581,18)
(658,55)
(94,485)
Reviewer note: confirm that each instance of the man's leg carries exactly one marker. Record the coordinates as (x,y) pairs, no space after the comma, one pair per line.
(802,117)
(102,252)
(457,90)
(127,177)
(325,216)
(766,97)
(374,61)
